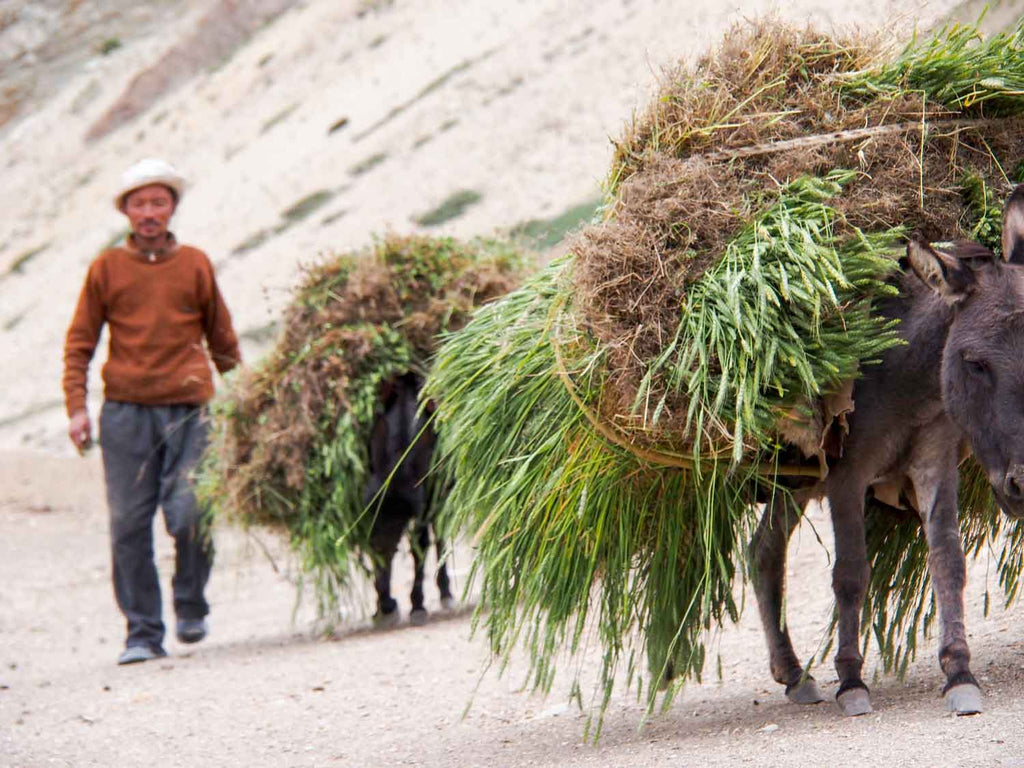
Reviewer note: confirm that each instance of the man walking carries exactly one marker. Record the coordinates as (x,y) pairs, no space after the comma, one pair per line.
(160,301)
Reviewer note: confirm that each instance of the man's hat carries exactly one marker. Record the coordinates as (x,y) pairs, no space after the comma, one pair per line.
(150,170)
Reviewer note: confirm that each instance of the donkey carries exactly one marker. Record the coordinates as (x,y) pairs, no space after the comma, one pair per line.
(399,492)
(957,384)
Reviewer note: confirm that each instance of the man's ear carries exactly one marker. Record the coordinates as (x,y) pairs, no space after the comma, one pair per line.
(1013,227)
(946,275)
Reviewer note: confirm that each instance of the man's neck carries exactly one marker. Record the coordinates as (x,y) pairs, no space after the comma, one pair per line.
(157,245)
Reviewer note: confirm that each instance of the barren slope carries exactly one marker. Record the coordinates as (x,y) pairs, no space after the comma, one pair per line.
(312,132)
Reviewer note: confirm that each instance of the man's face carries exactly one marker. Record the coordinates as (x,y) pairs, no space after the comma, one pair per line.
(149,209)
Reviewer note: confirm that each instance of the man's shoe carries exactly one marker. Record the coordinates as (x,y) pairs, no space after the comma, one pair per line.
(133,654)
(191,630)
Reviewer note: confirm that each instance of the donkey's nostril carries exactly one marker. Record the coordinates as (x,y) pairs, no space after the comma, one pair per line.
(1013,487)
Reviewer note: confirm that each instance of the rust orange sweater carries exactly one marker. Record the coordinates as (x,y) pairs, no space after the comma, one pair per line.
(159,308)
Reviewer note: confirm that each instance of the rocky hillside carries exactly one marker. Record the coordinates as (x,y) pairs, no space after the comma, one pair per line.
(306,127)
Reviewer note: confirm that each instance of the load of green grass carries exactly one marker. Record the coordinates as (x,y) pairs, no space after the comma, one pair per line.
(610,427)
(289,438)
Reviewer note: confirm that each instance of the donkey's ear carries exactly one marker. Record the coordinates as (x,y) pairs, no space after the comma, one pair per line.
(946,275)
(1013,227)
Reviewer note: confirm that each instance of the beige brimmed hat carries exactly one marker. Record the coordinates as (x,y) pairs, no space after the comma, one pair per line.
(149,170)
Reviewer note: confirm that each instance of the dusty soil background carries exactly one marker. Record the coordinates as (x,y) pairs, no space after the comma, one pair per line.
(263,690)
(305,128)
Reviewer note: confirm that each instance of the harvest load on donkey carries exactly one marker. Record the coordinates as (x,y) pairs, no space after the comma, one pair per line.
(290,445)
(613,423)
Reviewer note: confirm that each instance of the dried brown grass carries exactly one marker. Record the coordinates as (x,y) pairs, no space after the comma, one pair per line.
(355,321)
(693,170)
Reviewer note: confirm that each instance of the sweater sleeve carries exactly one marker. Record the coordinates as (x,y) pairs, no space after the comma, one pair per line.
(82,337)
(220,334)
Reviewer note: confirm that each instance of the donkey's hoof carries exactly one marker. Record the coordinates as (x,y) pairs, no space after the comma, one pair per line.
(964,699)
(855,702)
(385,620)
(418,617)
(449,603)
(804,692)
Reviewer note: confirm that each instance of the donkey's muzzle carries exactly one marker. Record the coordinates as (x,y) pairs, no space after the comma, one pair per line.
(1013,490)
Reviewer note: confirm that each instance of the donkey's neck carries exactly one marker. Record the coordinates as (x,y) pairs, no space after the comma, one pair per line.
(914,368)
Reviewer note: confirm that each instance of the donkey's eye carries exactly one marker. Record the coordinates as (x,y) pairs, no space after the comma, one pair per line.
(976,367)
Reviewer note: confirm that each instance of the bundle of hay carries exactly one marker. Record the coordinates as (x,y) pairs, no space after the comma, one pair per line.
(611,423)
(290,436)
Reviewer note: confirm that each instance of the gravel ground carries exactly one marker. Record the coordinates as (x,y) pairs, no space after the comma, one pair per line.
(263,691)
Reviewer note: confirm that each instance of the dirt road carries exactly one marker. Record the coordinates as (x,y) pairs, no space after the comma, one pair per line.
(261,691)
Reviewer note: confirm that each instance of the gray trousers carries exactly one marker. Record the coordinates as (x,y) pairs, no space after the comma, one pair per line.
(148,453)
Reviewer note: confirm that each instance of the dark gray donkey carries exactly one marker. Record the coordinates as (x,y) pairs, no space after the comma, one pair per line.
(399,492)
(958,383)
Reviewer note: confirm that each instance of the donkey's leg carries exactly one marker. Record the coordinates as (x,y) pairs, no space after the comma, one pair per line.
(443,585)
(387,532)
(767,556)
(949,574)
(850,576)
(935,480)
(387,608)
(420,536)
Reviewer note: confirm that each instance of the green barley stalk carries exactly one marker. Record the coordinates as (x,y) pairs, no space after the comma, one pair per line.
(571,528)
(956,68)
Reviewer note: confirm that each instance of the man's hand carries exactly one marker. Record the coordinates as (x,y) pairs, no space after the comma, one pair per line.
(80,430)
